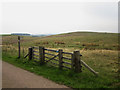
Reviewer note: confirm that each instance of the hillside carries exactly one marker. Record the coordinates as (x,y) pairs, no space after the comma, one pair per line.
(80,40)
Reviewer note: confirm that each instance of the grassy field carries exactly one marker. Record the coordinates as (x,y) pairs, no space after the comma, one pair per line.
(99,50)
(80,40)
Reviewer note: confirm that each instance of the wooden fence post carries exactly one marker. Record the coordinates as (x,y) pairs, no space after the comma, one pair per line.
(60,58)
(77,62)
(72,62)
(41,55)
(18,46)
(30,53)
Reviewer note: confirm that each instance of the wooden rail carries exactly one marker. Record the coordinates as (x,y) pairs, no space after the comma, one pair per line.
(26,55)
(49,58)
(74,61)
(52,58)
(36,55)
(50,54)
(66,67)
(67,58)
(67,63)
(36,58)
(36,51)
(89,68)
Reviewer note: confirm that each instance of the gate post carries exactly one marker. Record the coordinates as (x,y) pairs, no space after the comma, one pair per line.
(41,55)
(30,53)
(60,58)
(77,61)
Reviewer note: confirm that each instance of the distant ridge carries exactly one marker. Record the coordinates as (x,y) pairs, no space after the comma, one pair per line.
(21,34)
(33,35)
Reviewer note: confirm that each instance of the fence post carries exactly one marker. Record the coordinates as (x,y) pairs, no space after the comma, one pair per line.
(41,55)
(77,62)
(18,46)
(72,62)
(30,53)
(60,58)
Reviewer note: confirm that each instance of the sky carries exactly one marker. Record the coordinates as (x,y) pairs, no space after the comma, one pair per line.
(59,17)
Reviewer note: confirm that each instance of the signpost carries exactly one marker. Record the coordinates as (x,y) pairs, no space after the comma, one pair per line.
(18,46)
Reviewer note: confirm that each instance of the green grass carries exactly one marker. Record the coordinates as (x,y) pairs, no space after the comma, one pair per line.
(99,50)
(67,77)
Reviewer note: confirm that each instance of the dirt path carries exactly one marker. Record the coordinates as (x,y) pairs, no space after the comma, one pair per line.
(14,77)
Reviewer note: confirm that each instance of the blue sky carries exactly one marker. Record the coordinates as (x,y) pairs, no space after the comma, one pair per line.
(59,17)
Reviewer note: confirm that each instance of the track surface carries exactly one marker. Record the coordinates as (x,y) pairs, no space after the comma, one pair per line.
(14,77)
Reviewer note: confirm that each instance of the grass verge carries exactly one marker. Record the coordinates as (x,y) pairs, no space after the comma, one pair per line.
(69,78)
